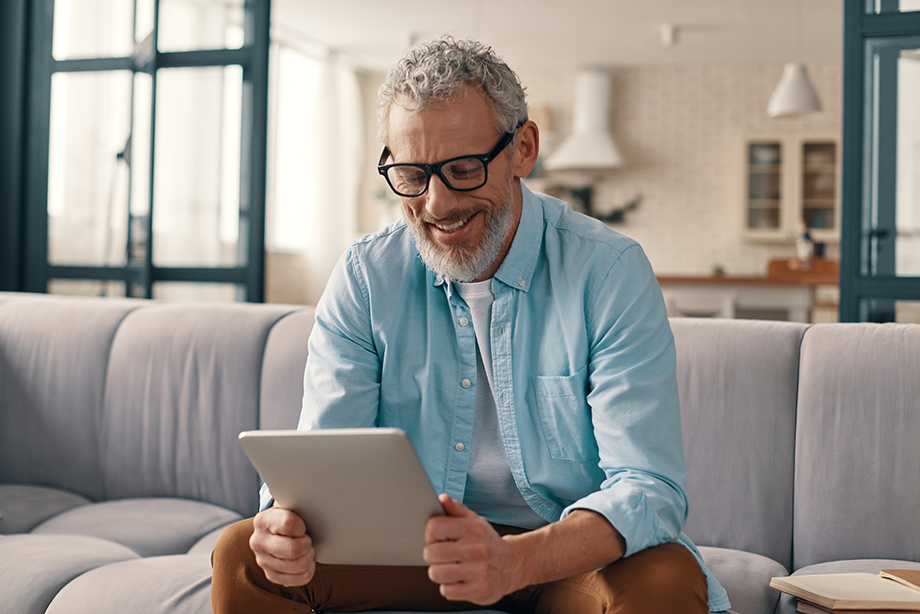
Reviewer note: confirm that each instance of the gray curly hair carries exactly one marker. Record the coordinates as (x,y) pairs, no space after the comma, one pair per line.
(436,70)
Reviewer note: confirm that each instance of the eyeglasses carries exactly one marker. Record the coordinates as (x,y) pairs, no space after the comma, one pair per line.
(462,174)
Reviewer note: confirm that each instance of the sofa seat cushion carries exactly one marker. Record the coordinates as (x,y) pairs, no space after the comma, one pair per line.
(33,568)
(23,506)
(745,577)
(206,544)
(787,602)
(176,584)
(149,526)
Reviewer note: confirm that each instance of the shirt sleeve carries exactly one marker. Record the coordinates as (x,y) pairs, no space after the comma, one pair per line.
(634,407)
(265,498)
(342,375)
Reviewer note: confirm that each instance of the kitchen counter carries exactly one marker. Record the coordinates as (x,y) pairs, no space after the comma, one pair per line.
(787,288)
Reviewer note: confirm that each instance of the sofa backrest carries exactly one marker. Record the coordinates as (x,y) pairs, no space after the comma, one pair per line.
(132,398)
(53,360)
(283,369)
(858,444)
(190,376)
(737,381)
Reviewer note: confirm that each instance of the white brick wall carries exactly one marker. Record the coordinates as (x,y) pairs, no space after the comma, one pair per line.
(679,129)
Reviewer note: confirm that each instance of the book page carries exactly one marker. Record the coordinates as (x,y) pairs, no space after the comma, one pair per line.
(907,577)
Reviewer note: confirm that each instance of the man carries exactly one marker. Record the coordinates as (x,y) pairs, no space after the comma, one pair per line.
(525,350)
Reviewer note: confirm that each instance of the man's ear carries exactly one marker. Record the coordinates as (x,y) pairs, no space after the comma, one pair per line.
(526,148)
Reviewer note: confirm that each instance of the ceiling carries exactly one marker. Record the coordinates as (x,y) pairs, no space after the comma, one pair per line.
(571,33)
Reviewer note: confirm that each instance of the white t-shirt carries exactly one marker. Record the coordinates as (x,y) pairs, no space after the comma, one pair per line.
(490,488)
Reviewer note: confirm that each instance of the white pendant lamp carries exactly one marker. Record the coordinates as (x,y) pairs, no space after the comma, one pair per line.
(589,146)
(794,95)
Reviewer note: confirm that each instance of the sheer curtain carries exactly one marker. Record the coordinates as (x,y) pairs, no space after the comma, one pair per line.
(337,156)
(315,166)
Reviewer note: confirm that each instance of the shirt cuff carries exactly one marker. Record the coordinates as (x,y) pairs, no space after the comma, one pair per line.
(265,498)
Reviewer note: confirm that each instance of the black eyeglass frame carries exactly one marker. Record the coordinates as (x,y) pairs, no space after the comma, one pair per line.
(435,169)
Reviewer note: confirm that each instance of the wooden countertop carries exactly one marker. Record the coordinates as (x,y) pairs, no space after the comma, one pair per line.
(779,273)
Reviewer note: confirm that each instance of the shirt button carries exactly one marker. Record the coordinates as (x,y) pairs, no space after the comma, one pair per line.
(521,282)
(466,383)
(459,447)
(464,321)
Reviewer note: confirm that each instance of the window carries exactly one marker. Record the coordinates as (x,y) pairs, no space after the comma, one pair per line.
(146,158)
(880,244)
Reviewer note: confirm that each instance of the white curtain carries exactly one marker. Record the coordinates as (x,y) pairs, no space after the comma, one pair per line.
(315,164)
(338,156)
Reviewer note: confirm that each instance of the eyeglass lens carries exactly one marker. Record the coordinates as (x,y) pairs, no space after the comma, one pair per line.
(460,174)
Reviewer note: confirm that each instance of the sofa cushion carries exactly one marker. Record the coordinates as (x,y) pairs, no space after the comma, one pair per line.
(737,381)
(206,544)
(147,526)
(53,357)
(787,602)
(858,444)
(190,375)
(179,584)
(22,507)
(33,568)
(745,577)
(283,369)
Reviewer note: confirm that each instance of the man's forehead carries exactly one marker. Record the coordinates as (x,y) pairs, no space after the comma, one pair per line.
(467,109)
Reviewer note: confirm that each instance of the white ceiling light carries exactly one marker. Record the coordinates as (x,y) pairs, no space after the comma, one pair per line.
(794,94)
(590,145)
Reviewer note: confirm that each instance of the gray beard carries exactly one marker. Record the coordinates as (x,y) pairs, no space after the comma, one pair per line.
(462,263)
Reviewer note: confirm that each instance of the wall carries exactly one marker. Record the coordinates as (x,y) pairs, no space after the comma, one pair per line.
(680,130)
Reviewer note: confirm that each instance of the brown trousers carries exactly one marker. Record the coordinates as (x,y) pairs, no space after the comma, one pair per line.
(664,579)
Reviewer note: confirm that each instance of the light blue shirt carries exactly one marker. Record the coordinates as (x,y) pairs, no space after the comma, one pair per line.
(583,364)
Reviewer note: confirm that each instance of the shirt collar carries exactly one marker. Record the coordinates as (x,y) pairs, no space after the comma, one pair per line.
(518,266)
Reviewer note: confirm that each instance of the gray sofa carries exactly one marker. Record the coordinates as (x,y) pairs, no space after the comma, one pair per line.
(119,464)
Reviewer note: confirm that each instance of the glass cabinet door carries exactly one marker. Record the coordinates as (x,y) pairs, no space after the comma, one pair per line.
(819,185)
(764,180)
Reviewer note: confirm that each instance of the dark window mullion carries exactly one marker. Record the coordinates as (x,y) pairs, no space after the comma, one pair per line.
(203,58)
(35,277)
(92,64)
(254,152)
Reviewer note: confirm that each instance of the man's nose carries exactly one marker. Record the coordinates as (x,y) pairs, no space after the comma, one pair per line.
(440,199)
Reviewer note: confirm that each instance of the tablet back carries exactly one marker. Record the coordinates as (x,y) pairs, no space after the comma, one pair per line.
(362,493)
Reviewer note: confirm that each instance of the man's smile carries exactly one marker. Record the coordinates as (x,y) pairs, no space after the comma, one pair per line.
(454,226)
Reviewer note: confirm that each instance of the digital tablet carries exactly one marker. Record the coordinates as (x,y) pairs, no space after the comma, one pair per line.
(362,493)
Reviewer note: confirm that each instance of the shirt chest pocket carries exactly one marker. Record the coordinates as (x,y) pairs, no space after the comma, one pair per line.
(561,402)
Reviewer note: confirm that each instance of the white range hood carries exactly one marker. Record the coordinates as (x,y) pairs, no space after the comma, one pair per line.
(590,145)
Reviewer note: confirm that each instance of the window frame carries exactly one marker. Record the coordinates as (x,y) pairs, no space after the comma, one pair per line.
(140,277)
(857,287)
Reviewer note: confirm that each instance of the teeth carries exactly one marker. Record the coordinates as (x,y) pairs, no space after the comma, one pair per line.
(452,227)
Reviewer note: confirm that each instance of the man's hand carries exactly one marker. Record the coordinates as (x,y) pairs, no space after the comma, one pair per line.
(467,558)
(282,547)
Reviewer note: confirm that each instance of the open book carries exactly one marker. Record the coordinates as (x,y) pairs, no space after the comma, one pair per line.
(803,607)
(850,591)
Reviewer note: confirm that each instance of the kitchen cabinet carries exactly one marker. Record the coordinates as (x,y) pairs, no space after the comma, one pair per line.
(788,179)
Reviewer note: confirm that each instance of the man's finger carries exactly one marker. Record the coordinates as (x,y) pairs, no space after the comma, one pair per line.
(449,573)
(452,507)
(283,522)
(285,579)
